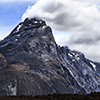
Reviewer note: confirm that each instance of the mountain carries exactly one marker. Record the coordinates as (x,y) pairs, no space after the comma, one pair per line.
(31,63)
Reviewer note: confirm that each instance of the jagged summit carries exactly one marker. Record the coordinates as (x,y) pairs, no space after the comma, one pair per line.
(30,36)
(36,65)
(28,24)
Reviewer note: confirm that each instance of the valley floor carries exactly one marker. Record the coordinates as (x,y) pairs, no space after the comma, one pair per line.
(92,96)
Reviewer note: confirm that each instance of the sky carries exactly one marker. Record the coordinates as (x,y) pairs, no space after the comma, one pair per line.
(75,23)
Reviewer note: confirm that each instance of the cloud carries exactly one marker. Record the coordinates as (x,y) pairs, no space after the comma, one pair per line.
(66,15)
(91,51)
(79,18)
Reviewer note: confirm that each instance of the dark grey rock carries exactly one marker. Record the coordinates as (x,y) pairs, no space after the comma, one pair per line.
(3,62)
(37,65)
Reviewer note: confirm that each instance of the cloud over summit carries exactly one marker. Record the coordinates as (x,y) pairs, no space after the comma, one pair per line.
(67,15)
(80,18)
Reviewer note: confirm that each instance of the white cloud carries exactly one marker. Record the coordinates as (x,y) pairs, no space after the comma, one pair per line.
(79,18)
(66,15)
(91,51)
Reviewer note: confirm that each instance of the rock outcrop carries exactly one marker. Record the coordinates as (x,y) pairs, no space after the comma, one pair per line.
(3,62)
(37,65)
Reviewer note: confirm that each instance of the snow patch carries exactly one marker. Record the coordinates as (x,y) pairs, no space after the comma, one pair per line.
(19,26)
(18,35)
(44,37)
(44,27)
(70,55)
(71,73)
(94,66)
(73,60)
(76,56)
(16,40)
(40,22)
(12,88)
(35,22)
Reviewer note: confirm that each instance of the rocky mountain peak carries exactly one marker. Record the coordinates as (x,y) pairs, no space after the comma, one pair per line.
(30,23)
(33,64)
(32,36)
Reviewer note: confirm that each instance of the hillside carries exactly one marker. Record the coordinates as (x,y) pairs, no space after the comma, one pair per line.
(31,63)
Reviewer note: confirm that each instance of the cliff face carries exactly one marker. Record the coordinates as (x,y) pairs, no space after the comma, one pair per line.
(36,65)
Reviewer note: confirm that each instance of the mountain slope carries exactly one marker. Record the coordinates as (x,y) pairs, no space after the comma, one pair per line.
(36,65)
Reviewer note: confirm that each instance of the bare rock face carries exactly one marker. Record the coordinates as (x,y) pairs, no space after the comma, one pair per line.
(37,65)
(3,62)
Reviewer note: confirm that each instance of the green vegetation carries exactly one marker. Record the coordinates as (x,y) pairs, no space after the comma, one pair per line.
(92,96)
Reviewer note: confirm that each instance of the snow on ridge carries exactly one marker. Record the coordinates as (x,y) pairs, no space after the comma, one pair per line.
(19,26)
(77,57)
(94,66)
(70,55)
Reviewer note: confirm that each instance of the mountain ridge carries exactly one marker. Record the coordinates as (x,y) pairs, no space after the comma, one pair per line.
(36,65)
